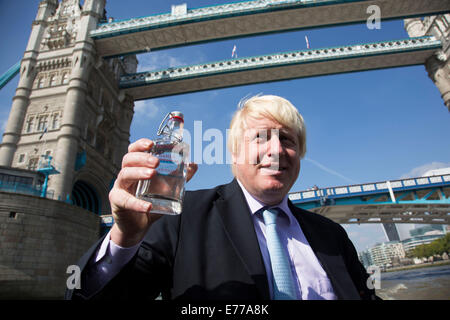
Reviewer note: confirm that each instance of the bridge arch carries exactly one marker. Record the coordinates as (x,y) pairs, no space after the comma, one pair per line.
(84,195)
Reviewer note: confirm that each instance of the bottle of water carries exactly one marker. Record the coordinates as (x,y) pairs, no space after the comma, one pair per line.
(166,189)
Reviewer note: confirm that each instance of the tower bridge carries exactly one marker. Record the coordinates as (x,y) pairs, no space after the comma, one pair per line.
(279,66)
(231,20)
(81,105)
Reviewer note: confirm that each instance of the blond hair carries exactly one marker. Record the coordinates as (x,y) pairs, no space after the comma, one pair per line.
(266,106)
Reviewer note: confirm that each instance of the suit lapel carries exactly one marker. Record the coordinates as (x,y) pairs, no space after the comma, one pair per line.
(238,225)
(330,259)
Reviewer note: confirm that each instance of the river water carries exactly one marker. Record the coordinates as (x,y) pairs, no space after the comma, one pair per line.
(430,283)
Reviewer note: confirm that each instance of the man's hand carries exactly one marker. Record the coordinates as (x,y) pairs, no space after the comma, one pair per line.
(132,216)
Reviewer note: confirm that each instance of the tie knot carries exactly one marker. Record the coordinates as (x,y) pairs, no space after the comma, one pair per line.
(270,215)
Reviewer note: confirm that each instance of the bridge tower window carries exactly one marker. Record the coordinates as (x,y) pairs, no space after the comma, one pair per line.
(30,124)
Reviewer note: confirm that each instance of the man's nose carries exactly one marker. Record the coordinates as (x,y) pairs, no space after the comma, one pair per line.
(274,147)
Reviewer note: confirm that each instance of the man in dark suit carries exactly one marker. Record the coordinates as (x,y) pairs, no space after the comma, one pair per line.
(223,246)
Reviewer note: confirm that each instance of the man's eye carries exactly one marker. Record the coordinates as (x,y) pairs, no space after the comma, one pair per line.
(287,140)
(258,135)
(261,137)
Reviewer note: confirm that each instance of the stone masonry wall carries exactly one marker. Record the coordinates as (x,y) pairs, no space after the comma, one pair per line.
(39,239)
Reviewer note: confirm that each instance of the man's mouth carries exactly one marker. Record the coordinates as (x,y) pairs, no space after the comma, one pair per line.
(272,169)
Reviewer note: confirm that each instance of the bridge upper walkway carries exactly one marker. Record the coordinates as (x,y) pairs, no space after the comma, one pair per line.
(279,66)
(245,18)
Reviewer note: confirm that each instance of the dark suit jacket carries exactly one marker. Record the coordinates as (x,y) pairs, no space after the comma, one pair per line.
(211,252)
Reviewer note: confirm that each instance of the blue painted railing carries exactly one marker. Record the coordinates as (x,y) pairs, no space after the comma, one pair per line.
(20,188)
(280,59)
(347,195)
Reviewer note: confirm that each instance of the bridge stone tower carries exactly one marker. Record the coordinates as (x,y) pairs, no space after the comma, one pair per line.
(438,66)
(68,105)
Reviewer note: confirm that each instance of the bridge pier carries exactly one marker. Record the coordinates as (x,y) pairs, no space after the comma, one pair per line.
(21,100)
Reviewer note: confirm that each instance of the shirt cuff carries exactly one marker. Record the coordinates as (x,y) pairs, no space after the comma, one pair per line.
(113,252)
(122,254)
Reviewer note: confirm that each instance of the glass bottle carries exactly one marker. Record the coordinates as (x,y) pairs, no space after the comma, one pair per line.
(165,190)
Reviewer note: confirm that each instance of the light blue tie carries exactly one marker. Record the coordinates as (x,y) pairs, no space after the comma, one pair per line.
(283,283)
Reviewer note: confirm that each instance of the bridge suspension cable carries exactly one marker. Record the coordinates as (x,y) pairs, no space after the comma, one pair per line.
(9,74)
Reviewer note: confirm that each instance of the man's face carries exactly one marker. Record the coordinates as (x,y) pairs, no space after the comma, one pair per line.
(268,161)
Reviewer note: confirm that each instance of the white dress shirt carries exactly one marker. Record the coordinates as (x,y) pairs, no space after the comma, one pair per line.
(311,281)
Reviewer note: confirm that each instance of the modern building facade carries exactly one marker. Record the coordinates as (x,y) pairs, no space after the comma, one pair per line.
(383,254)
(410,243)
(391,232)
(428,229)
(365,258)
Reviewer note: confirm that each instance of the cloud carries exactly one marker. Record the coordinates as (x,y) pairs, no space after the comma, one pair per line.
(3,122)
(420,171)
(365,236)
(4,118)
(330,171)
(148,109)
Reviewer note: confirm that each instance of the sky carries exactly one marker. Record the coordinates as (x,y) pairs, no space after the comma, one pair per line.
(362,127)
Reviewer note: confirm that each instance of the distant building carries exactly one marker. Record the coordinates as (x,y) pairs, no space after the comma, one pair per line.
(365,258)
(428,229)
(391,232)
(423,234)
(410,243)
(383,254)
(403,230)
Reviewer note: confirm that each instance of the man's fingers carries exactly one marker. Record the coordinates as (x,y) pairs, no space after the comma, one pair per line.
(191,170)
(141,145)
(139,159)
(124,201)
(130,175)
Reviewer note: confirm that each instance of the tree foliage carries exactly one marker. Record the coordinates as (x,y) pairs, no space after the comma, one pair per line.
(438,246)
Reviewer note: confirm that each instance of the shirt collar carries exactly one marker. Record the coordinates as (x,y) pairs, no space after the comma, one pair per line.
(255,205)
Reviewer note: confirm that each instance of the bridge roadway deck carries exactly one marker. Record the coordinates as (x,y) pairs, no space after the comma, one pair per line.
(413,200)
(246,18)
(281,66)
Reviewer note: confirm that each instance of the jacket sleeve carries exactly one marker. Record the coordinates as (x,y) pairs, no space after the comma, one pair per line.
(148,273)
